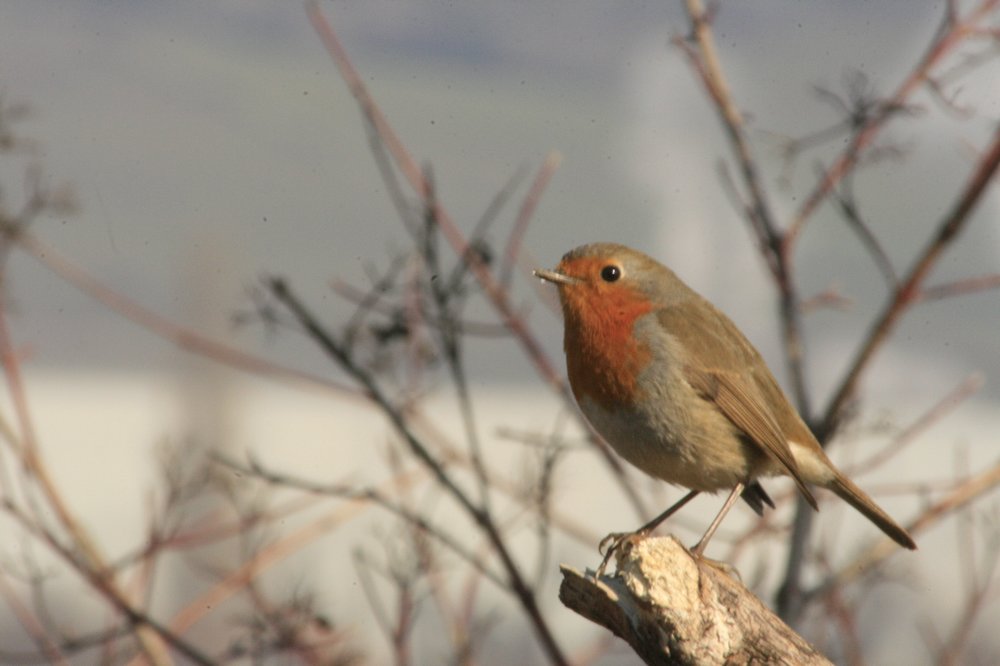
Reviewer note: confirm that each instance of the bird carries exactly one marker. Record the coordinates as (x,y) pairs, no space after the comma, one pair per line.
(674,387)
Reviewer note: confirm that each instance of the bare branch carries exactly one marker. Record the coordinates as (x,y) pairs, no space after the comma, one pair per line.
(909,287)
(849,208)
(770,239)
(958,288)
(163,327)
(414,175)
(968,387)
(951,34)
(961,496)
(673,608)
(491,287)
(538,185)
(518,585)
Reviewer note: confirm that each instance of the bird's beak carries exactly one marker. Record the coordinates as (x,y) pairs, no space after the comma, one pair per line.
(554,276)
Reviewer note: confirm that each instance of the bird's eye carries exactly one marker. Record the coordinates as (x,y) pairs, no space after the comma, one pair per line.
(611,273)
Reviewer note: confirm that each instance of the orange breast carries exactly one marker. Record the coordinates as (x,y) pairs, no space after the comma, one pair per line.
(603,358)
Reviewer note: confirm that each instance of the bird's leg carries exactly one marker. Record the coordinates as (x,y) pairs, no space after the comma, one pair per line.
(618,538)
(655,522)
(699,547)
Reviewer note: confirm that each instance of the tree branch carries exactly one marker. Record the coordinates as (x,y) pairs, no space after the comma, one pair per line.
(675,609)
(908,290)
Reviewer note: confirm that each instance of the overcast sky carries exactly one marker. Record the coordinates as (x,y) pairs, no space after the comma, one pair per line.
(212,142)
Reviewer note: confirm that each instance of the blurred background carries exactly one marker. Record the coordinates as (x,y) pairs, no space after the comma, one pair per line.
(209,144)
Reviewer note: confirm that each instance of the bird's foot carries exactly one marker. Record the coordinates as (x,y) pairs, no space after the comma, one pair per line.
(724,567)
(614,541)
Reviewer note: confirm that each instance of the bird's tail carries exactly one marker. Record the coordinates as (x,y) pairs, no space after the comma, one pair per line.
(857,498)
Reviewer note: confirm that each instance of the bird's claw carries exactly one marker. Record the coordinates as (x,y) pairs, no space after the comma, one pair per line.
(724,567)
(615,539)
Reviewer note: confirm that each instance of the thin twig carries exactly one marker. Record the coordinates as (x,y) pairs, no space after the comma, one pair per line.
(414,175)
(966,388)
(961,287)
(517,584)
(977,598)
(951,34)
(30,624)
(524,215)
(87,558)
(161,326)
(909,287)
(849,208)
(451,340)
(770,239)
(959,497)
(493,289)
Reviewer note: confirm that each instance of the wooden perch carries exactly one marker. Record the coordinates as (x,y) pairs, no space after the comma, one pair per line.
(675,609)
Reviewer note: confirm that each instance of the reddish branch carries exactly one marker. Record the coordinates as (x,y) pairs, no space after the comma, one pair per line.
(408,166)
(705,62)
(495,291)
(909,287)
(952,33)
(83,554)
(519,586)
(161,326)
(776,244)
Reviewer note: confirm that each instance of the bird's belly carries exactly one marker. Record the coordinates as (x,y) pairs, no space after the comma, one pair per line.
(700,451)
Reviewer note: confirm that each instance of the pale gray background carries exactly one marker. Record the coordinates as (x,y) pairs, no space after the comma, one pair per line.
(210,143)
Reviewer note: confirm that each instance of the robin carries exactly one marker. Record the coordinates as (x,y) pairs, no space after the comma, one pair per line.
(677,390)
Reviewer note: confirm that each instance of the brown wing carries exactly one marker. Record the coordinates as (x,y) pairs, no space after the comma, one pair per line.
(738,380)
(740,404)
